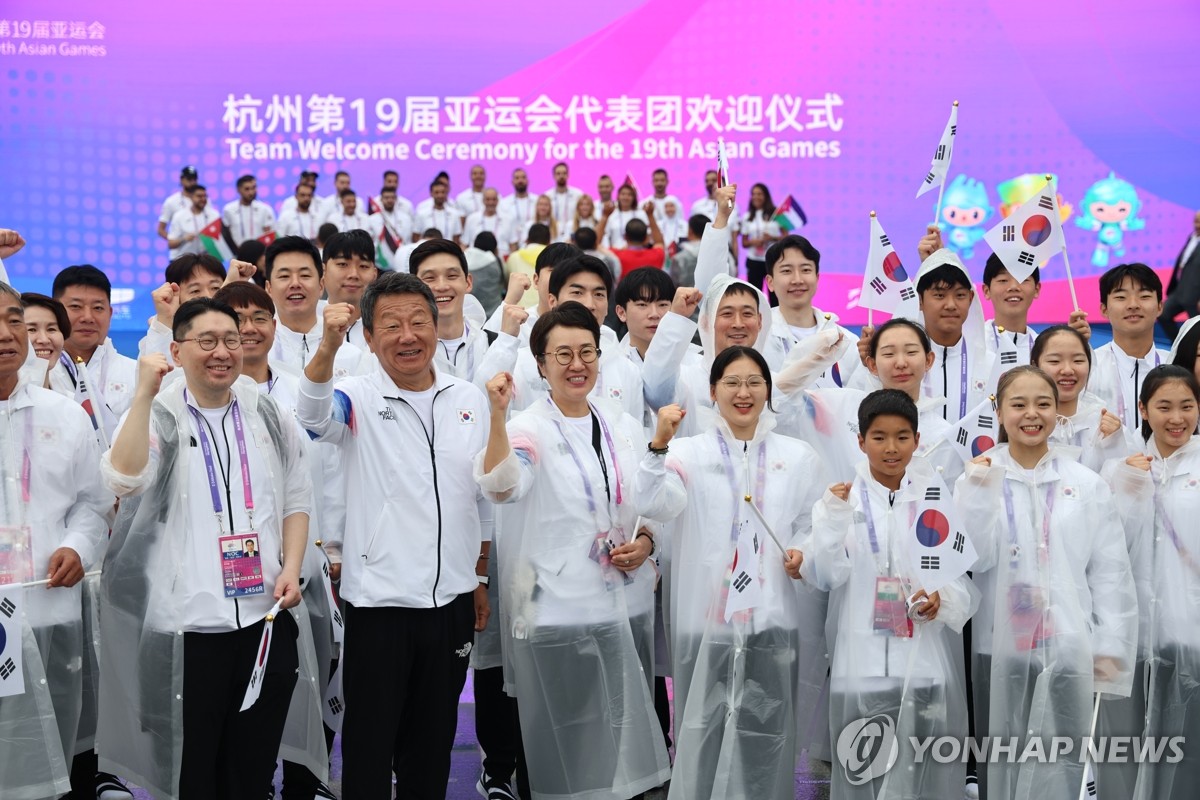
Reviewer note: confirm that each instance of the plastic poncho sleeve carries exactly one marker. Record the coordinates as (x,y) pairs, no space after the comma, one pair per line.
(826,562)
(660,371)
(513,477)
(809,359)
(1133,491)
(297,483)
(501,357)
(977,498)
(156,340)
(1114,598)
(123,485)
(960,601)
(711,260)
(87,518)
(659,485)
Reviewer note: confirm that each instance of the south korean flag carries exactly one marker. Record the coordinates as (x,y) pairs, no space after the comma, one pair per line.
(1030,235)
(940,551)
(12,678)
(1006,357)
(745,583)
(975,433)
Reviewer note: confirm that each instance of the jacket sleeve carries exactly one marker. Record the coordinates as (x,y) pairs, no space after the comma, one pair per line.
(326,413)
(501,357)
(123,485)
(826,562)
(712,259)
(809,359)
(977,501)
(86,519)
(660,372)
(658,488)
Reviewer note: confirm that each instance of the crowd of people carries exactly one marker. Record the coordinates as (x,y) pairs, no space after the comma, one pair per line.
(340,473)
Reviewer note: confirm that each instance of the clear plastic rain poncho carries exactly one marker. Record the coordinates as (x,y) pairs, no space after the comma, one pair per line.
(140,734)
(1058,618)
(578,636)
(1159,509)
(743,686)
(1082,430)
(915,676)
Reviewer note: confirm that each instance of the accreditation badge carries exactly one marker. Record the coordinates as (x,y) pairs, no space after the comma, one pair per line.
(891,611)
(241,564)
(16,554)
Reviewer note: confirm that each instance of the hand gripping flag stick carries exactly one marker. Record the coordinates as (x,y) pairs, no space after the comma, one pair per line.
(46,581)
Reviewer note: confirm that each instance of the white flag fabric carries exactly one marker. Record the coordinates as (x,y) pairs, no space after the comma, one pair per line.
(975,433)
(1030,235)
(745,584)
(940,166)
(12,671)
(943,552)
(254,689)
(1005,358)
(722,164)
(886,284)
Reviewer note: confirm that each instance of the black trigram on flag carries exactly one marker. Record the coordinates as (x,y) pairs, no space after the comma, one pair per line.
(931,562)
(941,153)
(959,542)
(1046,202)
(1010,233)
(1026,258)
(908,293)
(7,607)
(929,178)
(878,285)
(337,616)
(962,437)
(335,705)
(933,493)
(986,422)
(7,669)
(885,241)
(742,581)
(954,130)
(1008,357)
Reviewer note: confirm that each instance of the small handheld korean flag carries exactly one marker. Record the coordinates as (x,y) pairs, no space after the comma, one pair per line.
(259,673)
(12,673)
(942,552)
(940,166)
(334,708)
(886,285)
(975,433)
(1030,235)
(1006,357)
(745,588)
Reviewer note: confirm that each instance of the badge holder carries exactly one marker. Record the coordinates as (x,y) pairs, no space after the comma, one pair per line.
(891,608)
(241,564)
(601,553)
(16,555)
(1027,616)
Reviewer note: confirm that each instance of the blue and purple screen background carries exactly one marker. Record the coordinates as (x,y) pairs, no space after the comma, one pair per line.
(95,132)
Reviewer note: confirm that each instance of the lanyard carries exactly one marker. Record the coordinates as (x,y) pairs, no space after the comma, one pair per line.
(962,381)
(1137,367)
(210,468)
(760,480)
(597,420)
(869,518)
(1165,519)
(564,214)
(81,385)
(452,360)
(1012,520)
(247,231)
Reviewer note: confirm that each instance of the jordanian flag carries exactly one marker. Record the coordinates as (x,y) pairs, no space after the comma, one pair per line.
(214,242)
(382,252)
(267,238)
(790,216)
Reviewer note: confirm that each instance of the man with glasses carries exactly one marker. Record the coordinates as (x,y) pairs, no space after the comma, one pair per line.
(208,463)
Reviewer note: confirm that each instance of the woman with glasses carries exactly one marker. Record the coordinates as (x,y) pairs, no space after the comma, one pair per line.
(576,596)
(745,675)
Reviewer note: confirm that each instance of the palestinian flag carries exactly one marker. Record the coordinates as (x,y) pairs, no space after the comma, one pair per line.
(789,216)
(383,254)
(211,236)
(267,238)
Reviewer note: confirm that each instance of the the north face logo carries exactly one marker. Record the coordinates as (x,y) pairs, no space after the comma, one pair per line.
(464,651)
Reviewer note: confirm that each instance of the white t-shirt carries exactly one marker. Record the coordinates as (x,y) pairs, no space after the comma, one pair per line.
(754,227)
(172,206)
(294,222)
(469,201)
(477,223)
(518,210)
(422,403)
(803,333)
(344,222)
(614,231)
(185,221)
(247,222)
(446,219)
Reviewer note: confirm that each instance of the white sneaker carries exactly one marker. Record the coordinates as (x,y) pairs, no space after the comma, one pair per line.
(971,789)
(109,787)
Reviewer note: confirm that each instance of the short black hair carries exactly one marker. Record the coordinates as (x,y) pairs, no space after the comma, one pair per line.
(53,306)
(585,238)
(486,240)
(340,173)
(1043,339)
(431,248)
(585,263)
(538,234)
(293,244)
(635,231)
(899,322)
(659,171)
(181,269)
(886,403)
(349,244)
(387,190)
(242,181)
(197,188)
(650,284)
(81,275)
(993,266)
(555,254)
(1155,378)
(565,315)
(432,233)
(947,275)
(326,230)
(733,353)
(188,311)
(347,192)
(1140,274)
(697,223)
(250,251)
(242,294)
(792,242)
(387,172)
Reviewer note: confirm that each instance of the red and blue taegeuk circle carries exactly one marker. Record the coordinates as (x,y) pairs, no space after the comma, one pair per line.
(932,527)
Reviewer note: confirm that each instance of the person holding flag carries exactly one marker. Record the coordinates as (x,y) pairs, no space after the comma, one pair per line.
(576,600)
(187,224)
(747,672)
(53,519)
(390,227)
(899,598)
(1058,617)
(939,167)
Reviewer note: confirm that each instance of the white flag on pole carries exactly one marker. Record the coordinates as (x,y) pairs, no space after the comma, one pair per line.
(975,433)
(745,586)
(254,688)
(940,166)
(12,672)
(941,552)
(1030,235)
(335,704)
(886,284)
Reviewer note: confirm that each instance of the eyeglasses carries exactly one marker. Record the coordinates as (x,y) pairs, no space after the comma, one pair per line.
(231,342)
(259,320)
(565,355)
(734,382)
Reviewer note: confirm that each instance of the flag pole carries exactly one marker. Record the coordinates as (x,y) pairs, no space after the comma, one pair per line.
(46,582)
(1087,760)
(937,211)
(1066,261)
(871,311)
